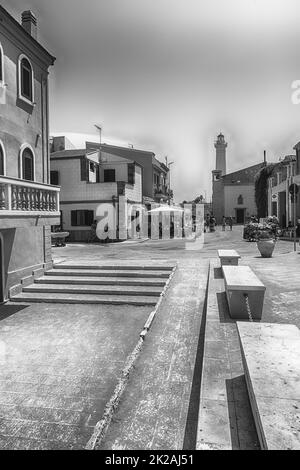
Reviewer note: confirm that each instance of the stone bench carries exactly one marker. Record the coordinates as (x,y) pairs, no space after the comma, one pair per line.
(240,281)
(228,257)
(271,354)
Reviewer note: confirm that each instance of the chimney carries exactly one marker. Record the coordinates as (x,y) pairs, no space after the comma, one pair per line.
(29,23)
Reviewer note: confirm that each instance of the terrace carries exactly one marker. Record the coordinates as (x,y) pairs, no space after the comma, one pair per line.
(27,203)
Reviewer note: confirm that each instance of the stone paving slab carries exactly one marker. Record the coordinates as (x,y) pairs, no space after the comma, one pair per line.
(153,411)
(225,419)
(271,361)
(59,366)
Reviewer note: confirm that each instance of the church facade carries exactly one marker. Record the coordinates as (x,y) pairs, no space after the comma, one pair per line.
(233,194)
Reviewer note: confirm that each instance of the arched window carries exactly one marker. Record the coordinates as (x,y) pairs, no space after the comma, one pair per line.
(27,164)
(240,200)
(1,160)
(25,79)
(1,65)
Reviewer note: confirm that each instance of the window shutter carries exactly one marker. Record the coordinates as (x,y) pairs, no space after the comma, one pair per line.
(90,217)
(84,169)
(131,173)
(73,218)
(98,174)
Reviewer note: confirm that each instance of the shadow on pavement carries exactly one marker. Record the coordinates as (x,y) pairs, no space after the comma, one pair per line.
(9,310)
(190,436)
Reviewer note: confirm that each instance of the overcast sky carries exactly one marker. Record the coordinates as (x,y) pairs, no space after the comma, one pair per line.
(169,75)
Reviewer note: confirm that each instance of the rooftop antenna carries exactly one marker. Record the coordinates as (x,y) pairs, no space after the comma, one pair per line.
(100,133)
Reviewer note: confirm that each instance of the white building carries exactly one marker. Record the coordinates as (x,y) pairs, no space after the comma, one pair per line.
(86,184)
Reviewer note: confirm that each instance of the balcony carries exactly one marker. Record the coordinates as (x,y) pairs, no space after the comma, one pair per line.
(27,203)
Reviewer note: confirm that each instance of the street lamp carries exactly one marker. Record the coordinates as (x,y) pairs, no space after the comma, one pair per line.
(168,164)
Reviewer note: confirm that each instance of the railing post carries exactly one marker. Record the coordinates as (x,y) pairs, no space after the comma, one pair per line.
(9,205)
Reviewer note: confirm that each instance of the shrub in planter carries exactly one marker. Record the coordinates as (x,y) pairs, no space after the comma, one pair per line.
(266,242)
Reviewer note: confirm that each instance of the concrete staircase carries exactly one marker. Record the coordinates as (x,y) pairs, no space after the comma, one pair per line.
(106,284)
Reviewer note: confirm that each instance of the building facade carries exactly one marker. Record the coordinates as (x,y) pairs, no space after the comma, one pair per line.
(92,184)
(29,205)
(233,194)
(156,180)
(281,201)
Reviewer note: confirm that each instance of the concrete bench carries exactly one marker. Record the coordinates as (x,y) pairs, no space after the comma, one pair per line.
(240,281)
(228,257)
(271,354)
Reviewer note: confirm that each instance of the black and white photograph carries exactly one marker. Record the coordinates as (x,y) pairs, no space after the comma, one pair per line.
(149,228)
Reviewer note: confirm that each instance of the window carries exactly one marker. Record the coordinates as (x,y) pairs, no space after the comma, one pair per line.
(26,79)
(1,65)
(54,178)
(131,173)
(109,176)
(82,218)
(240,200)
(27,165)
(2,160)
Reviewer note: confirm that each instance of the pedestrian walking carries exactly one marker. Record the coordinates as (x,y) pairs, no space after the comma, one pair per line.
(207,221)
(223,223)
(230,222)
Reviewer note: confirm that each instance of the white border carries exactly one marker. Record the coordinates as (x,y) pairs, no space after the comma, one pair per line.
(22,148)
(20,96)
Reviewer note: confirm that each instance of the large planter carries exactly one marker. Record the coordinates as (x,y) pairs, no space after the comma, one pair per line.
(266,247)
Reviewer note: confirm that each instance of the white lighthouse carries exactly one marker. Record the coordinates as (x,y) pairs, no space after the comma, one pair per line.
(220,146)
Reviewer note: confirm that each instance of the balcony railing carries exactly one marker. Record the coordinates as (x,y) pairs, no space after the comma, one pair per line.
(20,196)
(160,189)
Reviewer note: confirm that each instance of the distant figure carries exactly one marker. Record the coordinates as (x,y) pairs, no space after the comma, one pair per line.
(212,223)
(223,223)
(230,223)
(207,221)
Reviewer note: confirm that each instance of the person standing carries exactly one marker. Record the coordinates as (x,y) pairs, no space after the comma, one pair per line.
(230,223)
(223,223)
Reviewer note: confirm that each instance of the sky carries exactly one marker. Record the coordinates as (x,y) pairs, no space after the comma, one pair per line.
(168,76)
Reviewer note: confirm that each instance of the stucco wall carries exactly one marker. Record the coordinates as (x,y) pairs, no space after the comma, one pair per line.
(21,123)
(24,251)
(73,189)
(134,193)
(231,194)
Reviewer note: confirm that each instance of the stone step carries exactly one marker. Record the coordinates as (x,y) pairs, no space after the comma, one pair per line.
(119,267)
(100,281)
(108,273)
(56,297)
(272,370)
(86,289)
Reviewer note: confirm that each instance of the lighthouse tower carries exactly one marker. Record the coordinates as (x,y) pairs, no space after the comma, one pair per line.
(217,181)
(220,146)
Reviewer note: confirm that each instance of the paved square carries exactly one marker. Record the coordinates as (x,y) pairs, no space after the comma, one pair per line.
(59,365)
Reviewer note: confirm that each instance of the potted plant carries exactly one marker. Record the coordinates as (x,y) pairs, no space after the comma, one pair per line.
(265,244)
(267,236)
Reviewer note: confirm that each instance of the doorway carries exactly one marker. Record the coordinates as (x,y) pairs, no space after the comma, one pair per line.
(240,216)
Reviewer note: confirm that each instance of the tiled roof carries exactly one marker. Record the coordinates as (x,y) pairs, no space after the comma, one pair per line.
(68,153)
(244,176)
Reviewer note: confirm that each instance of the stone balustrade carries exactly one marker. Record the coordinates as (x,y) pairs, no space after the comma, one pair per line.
(27,196)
